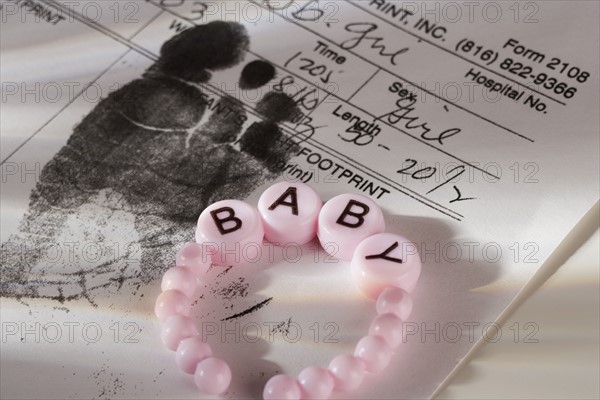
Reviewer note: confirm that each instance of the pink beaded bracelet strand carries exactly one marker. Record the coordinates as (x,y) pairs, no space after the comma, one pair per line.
(385,267)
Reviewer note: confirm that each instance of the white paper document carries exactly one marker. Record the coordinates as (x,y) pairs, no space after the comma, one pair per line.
(474,125)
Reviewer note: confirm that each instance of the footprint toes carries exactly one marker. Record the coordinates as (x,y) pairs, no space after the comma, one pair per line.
(256,74)
(213,46)
(277,107)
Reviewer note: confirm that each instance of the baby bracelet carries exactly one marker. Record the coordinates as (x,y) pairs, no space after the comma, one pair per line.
(385,267)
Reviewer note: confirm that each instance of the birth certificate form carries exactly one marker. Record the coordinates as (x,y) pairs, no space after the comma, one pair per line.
(474,125)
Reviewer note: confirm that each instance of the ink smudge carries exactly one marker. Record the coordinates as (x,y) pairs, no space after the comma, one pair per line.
(110,384)
(283,327)
(233,290)
(248,310)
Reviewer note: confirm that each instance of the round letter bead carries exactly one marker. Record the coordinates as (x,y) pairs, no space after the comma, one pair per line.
(212,376)
(345,221)
(375,352)
(190,352)
(175,329)
(172,302)
(231,231)
(281,387)
(192,256)
(396,301)
(389,327)
(347,371)
(179,278)
(385,260)
(289,213)
(315,383)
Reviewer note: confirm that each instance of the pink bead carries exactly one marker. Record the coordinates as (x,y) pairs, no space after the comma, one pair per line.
(396,301)
(281,387)
(231,232)
(347,371)
(172,302)
(179,278)
(175,329)
(192,256)
(389,327)
(315,383)
(289,213)
(212,376)
(385,260)
(345,221)
(375,352)
(190,352)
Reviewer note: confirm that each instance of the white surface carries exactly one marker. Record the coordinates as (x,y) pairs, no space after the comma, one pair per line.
(565,363)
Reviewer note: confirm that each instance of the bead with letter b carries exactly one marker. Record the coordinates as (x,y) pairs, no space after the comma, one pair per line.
(345,221)
(231,232)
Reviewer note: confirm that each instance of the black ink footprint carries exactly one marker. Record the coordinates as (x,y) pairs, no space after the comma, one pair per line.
(143,164)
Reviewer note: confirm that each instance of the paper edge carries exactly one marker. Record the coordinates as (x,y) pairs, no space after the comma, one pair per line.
(577,236)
